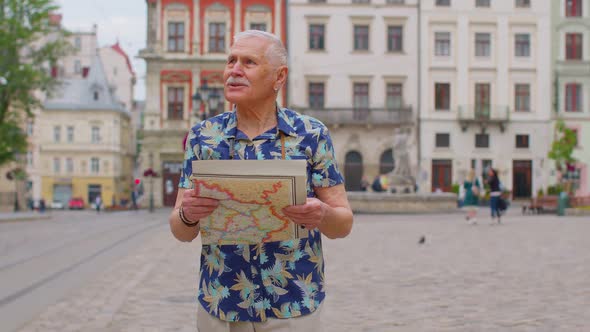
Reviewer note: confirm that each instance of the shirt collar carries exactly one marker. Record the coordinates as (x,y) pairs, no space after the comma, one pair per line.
(284,123)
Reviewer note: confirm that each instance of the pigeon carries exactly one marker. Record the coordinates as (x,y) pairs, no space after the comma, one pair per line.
(422,240)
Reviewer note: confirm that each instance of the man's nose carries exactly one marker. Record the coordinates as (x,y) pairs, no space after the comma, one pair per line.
(236,70)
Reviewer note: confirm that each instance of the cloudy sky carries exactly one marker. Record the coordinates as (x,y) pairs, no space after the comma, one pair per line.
(122,20)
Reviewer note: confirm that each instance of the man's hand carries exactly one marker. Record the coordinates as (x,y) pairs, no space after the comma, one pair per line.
(195,207)
(311,214)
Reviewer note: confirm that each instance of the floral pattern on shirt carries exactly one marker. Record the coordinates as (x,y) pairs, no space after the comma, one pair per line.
(275,279)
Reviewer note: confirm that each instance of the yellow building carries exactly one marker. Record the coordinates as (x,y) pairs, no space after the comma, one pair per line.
(85,142)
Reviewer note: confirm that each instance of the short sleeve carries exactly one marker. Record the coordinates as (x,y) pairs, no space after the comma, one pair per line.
(324,172)
(189,156)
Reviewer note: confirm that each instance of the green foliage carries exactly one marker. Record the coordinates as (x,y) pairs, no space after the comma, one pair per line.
(554,190)
(29,46)
(12,141)
(455,188)
(563,146)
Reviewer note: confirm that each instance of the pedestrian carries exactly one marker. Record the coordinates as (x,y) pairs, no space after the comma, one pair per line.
(495,193)
(364,183)
(471,189)
(269,286)
(42,205)
(134,200)
(97,203)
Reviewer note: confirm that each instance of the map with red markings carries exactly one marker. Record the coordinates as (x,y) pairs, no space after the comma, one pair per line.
(250,209)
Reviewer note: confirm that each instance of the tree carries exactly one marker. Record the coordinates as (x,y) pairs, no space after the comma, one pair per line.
(562,150)
(29,46)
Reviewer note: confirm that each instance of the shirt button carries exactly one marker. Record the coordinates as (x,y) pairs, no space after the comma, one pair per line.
(255,257)
(257,286)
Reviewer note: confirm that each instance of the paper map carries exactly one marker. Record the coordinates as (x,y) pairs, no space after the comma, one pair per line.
(250,209)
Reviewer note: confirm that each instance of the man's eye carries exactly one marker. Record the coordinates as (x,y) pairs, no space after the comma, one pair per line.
(250,62)
(231,60)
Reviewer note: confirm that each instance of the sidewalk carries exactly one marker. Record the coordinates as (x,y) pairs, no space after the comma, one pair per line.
(23,216)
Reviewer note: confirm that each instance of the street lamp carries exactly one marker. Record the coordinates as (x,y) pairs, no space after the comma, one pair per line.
(151,174)
(205,95)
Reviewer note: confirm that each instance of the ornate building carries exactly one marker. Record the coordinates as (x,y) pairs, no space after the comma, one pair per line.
(186,52)
(354,65)
(486,92)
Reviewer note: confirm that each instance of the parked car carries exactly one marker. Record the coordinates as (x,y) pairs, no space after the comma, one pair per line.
(76,204)
(57,205)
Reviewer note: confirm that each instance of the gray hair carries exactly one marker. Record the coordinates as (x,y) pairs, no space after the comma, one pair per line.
(276,52)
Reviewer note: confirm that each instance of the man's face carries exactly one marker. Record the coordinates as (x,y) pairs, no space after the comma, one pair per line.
(248,74)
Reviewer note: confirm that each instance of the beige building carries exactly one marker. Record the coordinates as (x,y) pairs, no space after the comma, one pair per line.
(354,66)
(85,137)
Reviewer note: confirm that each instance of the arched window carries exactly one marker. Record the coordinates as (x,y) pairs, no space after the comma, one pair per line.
(386,162)
(353,171)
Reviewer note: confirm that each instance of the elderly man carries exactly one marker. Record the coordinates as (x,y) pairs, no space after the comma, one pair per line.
(271,286)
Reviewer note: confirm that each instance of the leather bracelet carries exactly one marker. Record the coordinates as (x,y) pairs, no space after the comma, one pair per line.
(185,220)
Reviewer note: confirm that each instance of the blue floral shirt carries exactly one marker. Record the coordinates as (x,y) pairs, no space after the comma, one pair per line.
(273,279)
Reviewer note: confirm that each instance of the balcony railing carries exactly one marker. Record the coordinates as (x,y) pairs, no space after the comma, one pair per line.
(484,116)
(374,116)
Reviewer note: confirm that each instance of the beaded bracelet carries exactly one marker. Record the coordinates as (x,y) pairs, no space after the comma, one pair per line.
(185,220)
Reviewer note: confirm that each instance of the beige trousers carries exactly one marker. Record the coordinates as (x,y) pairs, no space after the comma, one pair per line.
(307,323)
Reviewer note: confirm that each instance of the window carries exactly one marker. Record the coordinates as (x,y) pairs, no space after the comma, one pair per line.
(442,96)
(522,3)
(217,37)
(443,140)
(29,158)
(361,1)
(56,165)
(316,95)
(78,43)
(361,37)
(442,43)
(573,8)
(522,141)
(522,45)
(258,26)
(445,3)
(175,36)
(522,97)
(316,36)
(360,100)
(482,140)
(175,103)
(317,1)
(70,133)
(95,95)
(482,100)
(94,165)
(95,134)
(56,133)
(69,166)
(482,44)
(394,99)
(395,2)
(395,38)
(573,46)
(77,67)
(482,3)
(573,97)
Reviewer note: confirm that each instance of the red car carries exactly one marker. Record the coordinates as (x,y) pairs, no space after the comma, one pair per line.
(76,204)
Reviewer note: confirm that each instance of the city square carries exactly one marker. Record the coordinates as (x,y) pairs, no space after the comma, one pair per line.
(528,274)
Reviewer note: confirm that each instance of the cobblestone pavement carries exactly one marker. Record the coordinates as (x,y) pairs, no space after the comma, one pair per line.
(530,274)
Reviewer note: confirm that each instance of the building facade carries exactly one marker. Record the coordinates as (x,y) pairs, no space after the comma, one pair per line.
(486,92)
(85,142)
(571,79)
(186,52)
(354,66)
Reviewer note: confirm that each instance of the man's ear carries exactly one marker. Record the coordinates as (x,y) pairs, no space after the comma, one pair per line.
(282,73)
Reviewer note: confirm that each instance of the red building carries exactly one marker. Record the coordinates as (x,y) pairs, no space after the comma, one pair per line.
(186,51)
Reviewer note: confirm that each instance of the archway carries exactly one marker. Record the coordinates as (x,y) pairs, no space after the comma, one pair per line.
(353,171)
(386,162)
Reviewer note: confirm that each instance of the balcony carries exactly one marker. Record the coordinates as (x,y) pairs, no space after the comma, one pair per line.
(483,116)
(369,116)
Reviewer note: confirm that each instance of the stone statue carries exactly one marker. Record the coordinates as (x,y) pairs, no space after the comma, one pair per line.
(401,176)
